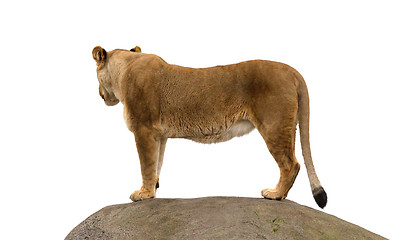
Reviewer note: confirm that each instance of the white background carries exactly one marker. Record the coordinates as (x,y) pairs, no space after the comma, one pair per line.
(64,154)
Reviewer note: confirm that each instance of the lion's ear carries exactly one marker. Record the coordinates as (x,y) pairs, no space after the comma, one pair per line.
(136,49)
(99,54)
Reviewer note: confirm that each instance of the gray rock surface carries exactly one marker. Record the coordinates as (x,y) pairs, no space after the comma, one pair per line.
(215,218)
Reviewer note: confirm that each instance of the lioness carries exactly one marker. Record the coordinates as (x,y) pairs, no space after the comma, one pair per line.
(208,105)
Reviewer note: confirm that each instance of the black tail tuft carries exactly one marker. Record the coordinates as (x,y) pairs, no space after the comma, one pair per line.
(320,197)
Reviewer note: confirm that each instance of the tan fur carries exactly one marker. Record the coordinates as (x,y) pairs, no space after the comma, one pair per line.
(207,105)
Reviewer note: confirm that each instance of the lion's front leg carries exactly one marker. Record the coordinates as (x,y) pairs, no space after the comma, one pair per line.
(148,150)
(163,142)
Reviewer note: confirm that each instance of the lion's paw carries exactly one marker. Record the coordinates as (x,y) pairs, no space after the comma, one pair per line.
(272,194)
(139,195)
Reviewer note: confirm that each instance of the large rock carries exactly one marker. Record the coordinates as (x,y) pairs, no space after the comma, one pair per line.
(215,218)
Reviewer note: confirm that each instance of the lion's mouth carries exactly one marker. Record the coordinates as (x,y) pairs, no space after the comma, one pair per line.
(111,103)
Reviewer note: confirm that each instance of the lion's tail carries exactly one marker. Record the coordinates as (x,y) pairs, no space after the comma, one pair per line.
(303,115)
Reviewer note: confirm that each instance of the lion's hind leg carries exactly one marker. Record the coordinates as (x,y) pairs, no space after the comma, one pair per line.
(279,135)
(289,169)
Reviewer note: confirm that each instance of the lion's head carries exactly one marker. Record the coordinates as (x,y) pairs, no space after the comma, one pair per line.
(106,90)
(104,77)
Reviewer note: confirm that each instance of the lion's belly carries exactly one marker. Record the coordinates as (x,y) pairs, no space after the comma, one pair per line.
(237,129)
